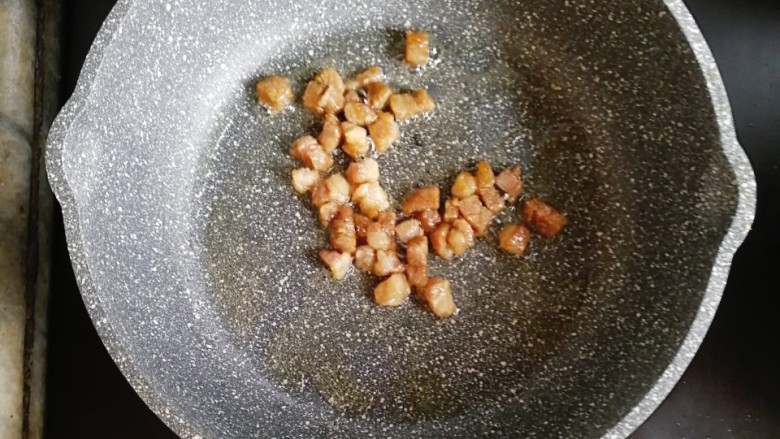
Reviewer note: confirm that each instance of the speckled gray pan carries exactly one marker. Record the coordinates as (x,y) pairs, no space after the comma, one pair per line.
(198,262)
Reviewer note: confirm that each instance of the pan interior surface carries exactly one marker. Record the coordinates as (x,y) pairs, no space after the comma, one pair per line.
(204,262)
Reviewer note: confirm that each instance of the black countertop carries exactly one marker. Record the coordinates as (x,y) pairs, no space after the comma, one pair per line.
(732,388)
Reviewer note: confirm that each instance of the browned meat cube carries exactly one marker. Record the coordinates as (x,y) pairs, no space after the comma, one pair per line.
(439,241)
(359,113)
(509,182)
(379,238)
(369,76)
(331,78)
(355,140)
(417,251)
(543,218)
(476,214)
(327,212)
(426,198)
(331,101)
(417,48)
(417,275)
(303,179)
(365,257)
(312,94)
(465,185)
(451,212)
(371,198)
(319,194)
(325,94)
(393,291)
(364,171)
(423,101)
(378,94)
(491,198)
(387,263)
(338,188)
(330,136)
(384,132)
(429,219)
(408,229)
(387,220)
(361,225)
(351,96)
(461,237)
(275,93)
(403,106)
(484,174)
(437,293)
(514,239)
(311,153)
(338,263)
(342,231)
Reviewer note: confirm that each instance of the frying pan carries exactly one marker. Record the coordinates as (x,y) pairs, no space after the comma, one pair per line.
(198,263)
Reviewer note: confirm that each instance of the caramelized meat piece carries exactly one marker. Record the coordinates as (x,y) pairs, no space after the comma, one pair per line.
(408,229)
(325,94)
(371,198)
(327,212)
(384,132)
(460,237)
(476,214)
(319,194)
(379,238)
(378,94)
(417,275)
(417,48)
(465,185)
(364,171)
(342,231)
(417,261)
(393,291)
(424,103)
(351,96)
(509,182)
(311,153)
(359,113)
(338,263)
(491,199)
(403,106)
(355,140)
(426,198)
(429,219)
(437,293)
(387,263)
(275,93)
(303,179)
(514,239)
(312,94)
(330,136)
(417,251)
(361,225)
(484,174)
(451,212)
(371,75)
(365,257)
(543,218)
(338,188)
(439,241)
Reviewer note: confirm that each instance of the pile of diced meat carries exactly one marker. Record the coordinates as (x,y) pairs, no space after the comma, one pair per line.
(360,115)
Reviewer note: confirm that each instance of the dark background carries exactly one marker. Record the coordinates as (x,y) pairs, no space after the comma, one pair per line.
(732,388)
